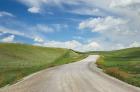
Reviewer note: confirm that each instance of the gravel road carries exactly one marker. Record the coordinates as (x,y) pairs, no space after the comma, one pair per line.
(82,76)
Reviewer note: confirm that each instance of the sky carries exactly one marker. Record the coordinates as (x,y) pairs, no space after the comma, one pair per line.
(81,25)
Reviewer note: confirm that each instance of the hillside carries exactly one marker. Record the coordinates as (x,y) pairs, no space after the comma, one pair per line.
(18,60)
(122,64)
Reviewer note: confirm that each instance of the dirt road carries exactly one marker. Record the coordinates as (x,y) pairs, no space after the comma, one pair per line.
(82,76)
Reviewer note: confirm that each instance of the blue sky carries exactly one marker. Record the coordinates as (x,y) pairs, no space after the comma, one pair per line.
(76,24)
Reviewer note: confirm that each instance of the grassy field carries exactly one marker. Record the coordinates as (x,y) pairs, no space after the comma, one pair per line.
(122,64)
(18,60)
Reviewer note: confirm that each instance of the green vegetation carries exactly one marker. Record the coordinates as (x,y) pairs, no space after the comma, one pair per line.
(122,64)
(18,60)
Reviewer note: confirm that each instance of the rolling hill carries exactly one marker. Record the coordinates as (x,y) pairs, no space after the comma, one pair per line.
(20,60)
(123,64)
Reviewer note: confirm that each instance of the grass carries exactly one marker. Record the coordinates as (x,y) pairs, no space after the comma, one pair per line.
(122,64)
(18,60)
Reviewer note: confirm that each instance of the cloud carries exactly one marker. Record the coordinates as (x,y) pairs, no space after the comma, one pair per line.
(135,44)
(34,10)
(78,38)
(44,28)
(67,44)
(112,27)
(120,3)
(36,6)
(8,39)
(11,31)
(72,44)
(94,45)
(4,13)
(32,3)
(116,22)
(115,32)
(34,32)
(88,11)
(127,8)
(19,33)
(125,4)
(38,39)
(101,24)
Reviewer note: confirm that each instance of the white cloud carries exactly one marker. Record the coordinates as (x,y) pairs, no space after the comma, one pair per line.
(34,10)
(115,33)
(78,38)
(88,11)
(20,33)
(35,6)
(101,24)
(91,7)
(94,45)
(68,44)
(38,39)
(115,29)
(4,13)
(73,44)
(90,46)
(28,31)
(119,21)
(32,3)
(38,5)
(120,3)
(11,31)
(44,28)
(129,4)
(8,39)
(135,44)
(127,8)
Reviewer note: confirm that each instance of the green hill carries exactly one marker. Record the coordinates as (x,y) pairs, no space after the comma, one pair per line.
(18,60)
(123,64)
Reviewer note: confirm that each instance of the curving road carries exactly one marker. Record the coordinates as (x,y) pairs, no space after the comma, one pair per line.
(82,76)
